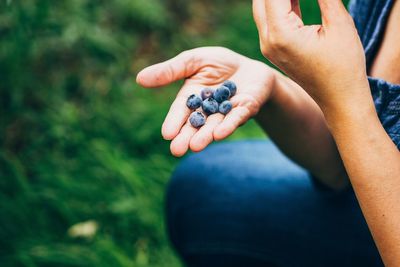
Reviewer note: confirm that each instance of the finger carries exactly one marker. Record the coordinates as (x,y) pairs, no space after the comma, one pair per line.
(178,113)
(260,16)
(238,116)
(277,9)
(271,12)
(296,7)
(172,70)
(331,10)
(180,144)
(204,136)
(176,117)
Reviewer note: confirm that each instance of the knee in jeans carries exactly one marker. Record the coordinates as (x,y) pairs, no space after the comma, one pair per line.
(187,189)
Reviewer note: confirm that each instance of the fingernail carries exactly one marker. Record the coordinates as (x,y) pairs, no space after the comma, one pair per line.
(138,78)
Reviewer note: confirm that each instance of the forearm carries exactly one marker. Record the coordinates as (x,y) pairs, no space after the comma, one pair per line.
(373,164)
(297,125)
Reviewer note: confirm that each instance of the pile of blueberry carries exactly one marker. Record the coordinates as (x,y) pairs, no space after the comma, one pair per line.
(211,101)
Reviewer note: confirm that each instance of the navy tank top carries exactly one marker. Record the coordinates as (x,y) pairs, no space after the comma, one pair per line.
(370,17)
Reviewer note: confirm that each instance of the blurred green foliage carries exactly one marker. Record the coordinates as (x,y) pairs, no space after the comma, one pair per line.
(82,164)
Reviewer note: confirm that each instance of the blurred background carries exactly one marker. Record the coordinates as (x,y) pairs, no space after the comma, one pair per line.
(83,167)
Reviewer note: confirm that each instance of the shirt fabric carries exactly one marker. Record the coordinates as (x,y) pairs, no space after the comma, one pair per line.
(370,17)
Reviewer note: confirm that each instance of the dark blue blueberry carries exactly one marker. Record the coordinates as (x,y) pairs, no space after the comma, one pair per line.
(221,94)
(210,106)
(194,102)
(197,119)
(231,86)
(206,93)
(225,107)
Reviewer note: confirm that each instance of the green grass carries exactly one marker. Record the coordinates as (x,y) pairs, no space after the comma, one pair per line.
(80,141)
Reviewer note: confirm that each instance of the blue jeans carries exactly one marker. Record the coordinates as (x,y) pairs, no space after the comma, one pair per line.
(246,204)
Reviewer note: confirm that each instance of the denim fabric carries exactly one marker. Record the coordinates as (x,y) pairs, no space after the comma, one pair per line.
(242,204)
(245,204)
(370,17)
(387,103)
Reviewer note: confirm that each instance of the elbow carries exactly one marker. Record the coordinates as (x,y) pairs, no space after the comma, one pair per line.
(338,182)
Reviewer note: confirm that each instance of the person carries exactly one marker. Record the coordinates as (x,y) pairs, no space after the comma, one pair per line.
(326,190)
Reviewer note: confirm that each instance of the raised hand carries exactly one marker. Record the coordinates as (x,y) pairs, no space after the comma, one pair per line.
(209,67)
(326,60)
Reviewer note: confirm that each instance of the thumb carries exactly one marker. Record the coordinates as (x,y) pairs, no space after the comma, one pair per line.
(169,71)
(331,11)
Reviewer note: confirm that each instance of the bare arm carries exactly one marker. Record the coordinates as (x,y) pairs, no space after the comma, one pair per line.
(289,115)
(297,125)
(373,164)
(372,160)
(328,62)
(386,62)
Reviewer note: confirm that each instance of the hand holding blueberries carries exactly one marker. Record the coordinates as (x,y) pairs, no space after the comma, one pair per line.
(222,90)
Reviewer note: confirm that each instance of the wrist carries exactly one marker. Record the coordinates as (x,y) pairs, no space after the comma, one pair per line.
(340,96)
(358,114)
(279,89)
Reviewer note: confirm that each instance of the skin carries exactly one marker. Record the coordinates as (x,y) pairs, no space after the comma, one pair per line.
(208,67)
(291,117)
(385,65)
(321,115)
(328,62)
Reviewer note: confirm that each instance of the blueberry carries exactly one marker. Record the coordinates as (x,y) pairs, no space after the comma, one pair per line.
(221,94)
(225,107)
(193,102)
(231,86)
(210,106)
(197,119)
(206,93)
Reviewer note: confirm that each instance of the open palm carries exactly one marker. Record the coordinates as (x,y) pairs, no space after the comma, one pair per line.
(208,67)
